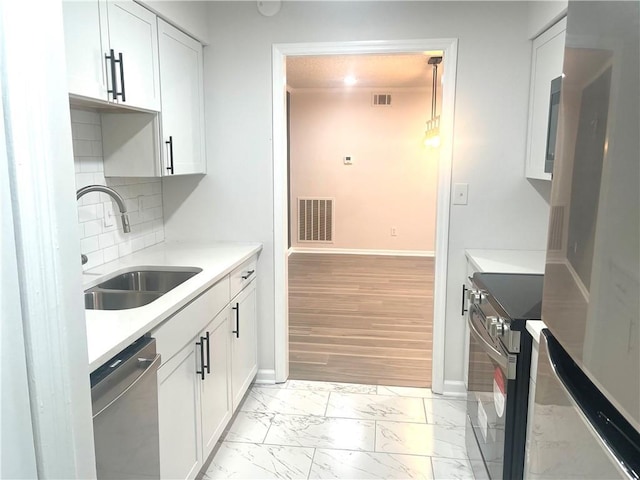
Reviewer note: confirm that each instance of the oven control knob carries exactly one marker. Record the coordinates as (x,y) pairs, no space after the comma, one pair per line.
(477,297)
(498,327)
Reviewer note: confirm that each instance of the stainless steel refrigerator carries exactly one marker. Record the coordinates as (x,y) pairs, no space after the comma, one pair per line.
(586,416)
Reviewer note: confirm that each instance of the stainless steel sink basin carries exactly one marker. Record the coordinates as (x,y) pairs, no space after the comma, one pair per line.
(117,300)
(135,288)
(149,280)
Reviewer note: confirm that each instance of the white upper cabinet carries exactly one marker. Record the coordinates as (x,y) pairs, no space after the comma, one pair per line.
(546,66)
(85,32)
(93,30)
(133,34)
(182,120)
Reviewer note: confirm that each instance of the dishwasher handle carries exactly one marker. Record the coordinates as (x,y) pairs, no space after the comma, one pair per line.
(152,365)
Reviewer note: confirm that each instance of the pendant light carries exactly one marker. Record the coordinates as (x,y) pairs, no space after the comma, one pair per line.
(432,128)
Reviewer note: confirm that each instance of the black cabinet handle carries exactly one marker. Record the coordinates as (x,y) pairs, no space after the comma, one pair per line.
(112,60)
(464,291)
(170,143)
(201,344)
(208,354)
(249,273)
(237,330)
(121,62)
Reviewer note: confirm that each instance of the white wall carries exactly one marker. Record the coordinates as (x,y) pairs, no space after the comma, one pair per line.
(37,168)
(235,200)
(392,180)
(542,14)
(189,16)
(143,198)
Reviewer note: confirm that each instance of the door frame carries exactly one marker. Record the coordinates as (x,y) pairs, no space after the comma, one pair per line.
(449,47)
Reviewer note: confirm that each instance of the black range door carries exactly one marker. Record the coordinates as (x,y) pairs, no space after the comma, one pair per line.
(491,369)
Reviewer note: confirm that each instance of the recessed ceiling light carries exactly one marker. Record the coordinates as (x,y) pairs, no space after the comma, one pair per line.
(350,80)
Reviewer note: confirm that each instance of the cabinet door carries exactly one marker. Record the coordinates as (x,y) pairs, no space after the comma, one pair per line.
(244,357)
(546,64)
(181,83)
(215,391)
(179,415)
(86,38)
(134,33)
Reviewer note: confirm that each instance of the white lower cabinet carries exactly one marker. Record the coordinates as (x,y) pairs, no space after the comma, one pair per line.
(244,355)
(178,412)
(208,365)
(215,393)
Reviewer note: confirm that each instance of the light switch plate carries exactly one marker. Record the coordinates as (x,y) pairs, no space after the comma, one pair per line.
(460,193)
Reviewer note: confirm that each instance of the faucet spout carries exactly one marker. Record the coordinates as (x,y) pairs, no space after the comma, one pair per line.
(126,227)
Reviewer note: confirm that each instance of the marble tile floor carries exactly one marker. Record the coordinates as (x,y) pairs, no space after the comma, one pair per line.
(322,430)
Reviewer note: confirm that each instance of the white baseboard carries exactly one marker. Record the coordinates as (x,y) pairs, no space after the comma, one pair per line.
(454,388)
(360,251)
(265,376)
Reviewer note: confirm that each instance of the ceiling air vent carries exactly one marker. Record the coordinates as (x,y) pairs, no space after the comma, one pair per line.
(381,100)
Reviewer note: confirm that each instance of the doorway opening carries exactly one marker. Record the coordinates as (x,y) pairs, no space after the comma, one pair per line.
(448,49)
(362,217)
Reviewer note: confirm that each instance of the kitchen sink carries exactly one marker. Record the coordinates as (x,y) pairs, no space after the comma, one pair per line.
(117,300)
(149,280)
(135,288)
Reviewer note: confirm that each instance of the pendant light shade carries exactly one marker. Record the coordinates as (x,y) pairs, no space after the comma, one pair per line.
(432,128)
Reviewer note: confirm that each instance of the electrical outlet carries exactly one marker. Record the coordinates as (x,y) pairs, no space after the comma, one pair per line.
(394,231)
(460,193)
(348,160)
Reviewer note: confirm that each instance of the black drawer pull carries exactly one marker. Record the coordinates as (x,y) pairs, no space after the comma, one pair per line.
(121,62)
(464,291)
(207,338)
(202,366)
(112,68)
(237,330)
(170,143)
(249,273)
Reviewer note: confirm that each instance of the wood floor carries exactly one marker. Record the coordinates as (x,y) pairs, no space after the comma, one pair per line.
(361,319)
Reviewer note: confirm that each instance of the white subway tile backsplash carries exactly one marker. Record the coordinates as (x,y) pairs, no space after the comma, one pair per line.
(85,116)
(95,259)
(124,248)
(107,240)
(137,244)
(89,244)
(92,228)
(87,213)
(143,198)
(149,239)
(111,253)
(84,179)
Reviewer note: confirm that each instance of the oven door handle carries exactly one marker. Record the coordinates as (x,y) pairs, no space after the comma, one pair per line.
(507,362)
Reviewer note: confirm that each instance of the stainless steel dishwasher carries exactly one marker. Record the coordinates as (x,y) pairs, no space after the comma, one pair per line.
(124,395)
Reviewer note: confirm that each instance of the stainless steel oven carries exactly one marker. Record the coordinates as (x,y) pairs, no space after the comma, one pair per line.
(498,371)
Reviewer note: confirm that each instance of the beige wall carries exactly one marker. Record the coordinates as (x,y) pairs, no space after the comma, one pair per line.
(392,181)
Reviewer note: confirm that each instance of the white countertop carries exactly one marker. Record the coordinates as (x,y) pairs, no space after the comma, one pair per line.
(534,327)
(507,261)
(110,331)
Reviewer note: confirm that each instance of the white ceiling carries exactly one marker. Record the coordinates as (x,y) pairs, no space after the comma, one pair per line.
(371,71)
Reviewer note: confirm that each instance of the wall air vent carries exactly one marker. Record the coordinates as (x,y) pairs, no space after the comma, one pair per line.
(315,220)
(381,100)
(556,226)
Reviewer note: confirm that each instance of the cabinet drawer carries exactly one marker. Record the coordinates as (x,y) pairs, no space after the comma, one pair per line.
(242,276)
(180,329)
